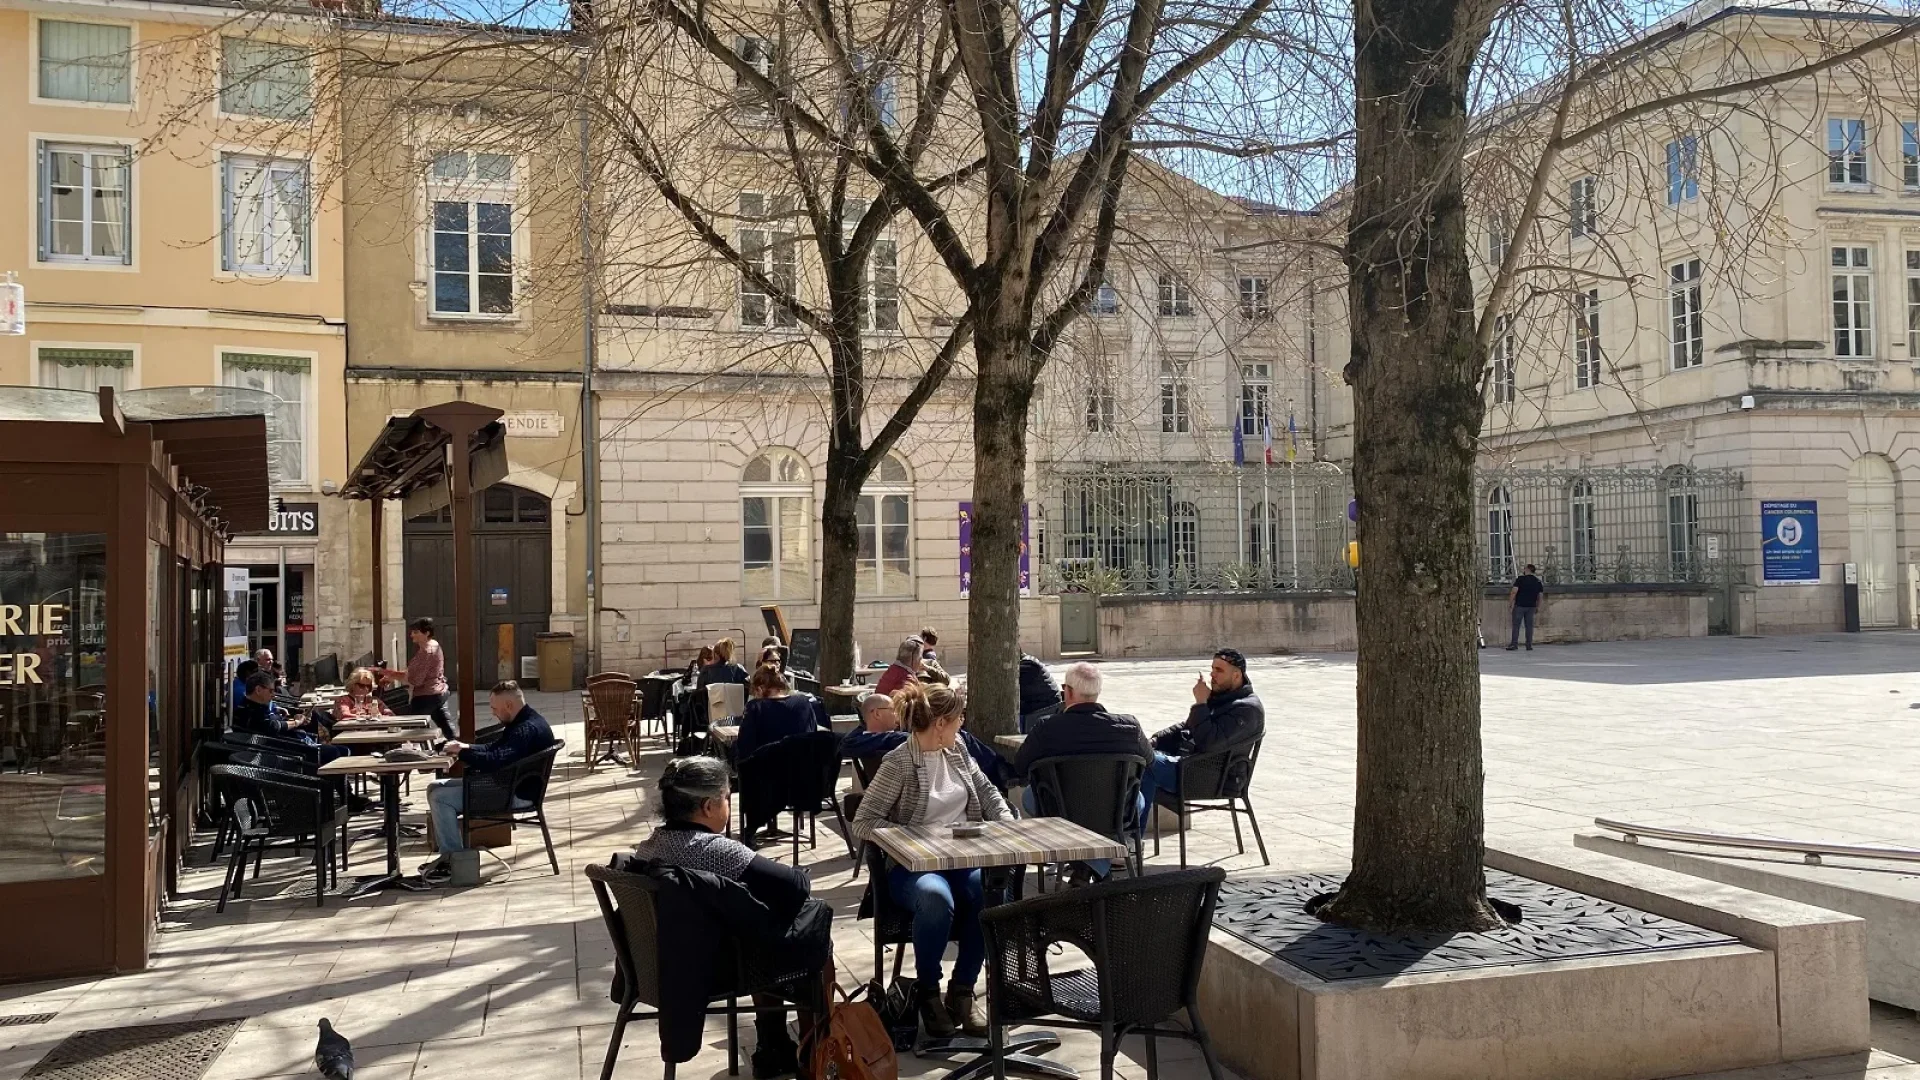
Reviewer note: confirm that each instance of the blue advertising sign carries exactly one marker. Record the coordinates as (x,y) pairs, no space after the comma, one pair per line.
(1790,542)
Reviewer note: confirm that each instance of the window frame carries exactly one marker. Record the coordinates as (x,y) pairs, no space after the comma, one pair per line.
(309,406)
(1256,397)
(1183,540)
(870,289)
(132,380)
(1499,512)
(1857,276)
(1106,300)
(228,265)
(777,255)
(1103,407)
(1175,296)
(473,192)
(1176,395)
(1910,156)
(1499,239)
(1686,280)
(1683,169)
(35,96)
(1256,297)
(44,149)
(1505,361)
(1913,303)
(873,494)
(774,490)
(748,104)
(1583,208)
(1586,340)
(1583,531)
(221,85)
(1852,159)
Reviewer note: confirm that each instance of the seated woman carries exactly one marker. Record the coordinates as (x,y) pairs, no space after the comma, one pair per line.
(931,780)
(775,711)
(360,702)
(696,801)
(699,662)
(723,669)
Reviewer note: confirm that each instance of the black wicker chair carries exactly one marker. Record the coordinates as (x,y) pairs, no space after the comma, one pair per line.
(796,775)
(269,807)
(627,904)
(1094,791)
(1147,940)
(490,796)
(1217,780)
(396,698)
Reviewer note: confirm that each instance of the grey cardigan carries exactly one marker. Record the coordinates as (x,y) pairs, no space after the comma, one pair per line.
(898,794)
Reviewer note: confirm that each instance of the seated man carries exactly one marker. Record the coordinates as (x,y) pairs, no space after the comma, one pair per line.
(258,714)
(906,667)
(1037,688)
(1083,726)
(240,676)
(526,734)
(1225,713)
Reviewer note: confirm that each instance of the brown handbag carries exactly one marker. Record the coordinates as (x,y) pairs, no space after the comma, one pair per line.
(852,1044)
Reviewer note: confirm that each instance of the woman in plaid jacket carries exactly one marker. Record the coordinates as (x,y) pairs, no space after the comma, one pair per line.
(931,780)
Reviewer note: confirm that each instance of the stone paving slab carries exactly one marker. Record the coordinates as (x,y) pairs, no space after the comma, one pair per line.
(1798,735)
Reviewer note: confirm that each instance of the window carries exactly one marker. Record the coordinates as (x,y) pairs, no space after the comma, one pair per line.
(1106,299)
(264,214)
(265,78)
(1175,301)
(1583,535)
(1499,235)
(1846,153)
(758,53)
(1586,340)
(1683,520)
(1852,302)
(1253,299)
(1910,156)
(1913,304)
(473,199)
(84,368)
(882,91)
(1505,361)
(285,377)
(883,566)
(1100,405)
(86,204)
(1583,211)
(1263,535)
(1499,535)
(1256,392)
(1176,416)
(1686,339)
(1185,537)
(776,512)
(882,300)
(1683,170)
(769,248)
(86,62)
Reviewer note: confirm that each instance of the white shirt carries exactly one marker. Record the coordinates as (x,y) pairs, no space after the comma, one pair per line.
(946,792)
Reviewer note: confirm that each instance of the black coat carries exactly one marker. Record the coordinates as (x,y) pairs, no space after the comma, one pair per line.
(1082,729)
(1222,720)
(706,925)
(1037,688)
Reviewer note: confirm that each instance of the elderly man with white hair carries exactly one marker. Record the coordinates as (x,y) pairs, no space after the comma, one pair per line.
(1082,726)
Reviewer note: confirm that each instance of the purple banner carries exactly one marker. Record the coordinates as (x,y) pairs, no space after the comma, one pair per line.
(966,550)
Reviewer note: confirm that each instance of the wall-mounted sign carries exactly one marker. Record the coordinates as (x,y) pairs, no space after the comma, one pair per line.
(534,425)
(13,306)
(966,551)
(292,519)
(235,615)
(1790,542)
(497,598)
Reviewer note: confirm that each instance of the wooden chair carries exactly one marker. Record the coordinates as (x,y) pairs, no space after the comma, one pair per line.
(611,719)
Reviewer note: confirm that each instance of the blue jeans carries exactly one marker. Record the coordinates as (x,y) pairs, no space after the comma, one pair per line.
(937,898)
(1159,774)
(446,798)
(1100,867)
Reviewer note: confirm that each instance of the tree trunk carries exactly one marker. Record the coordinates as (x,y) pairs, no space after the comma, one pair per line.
(1003,389)
(839,547)
(1415,370)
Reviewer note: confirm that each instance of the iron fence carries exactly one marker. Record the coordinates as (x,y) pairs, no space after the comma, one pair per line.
(1208,528)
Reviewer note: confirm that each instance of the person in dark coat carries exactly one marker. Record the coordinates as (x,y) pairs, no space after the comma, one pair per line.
(723,669)
(527,733)
(779,926)
(1225,713)
(1037,688)
(1083,726)
(774,711)
(259,714)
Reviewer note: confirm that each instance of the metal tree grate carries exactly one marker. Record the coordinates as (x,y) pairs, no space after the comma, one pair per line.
(1555,924)
(182,1051)
(26,1018)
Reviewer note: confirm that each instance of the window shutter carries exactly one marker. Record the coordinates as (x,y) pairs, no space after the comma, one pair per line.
(226,211)
(126,171)
(41,204)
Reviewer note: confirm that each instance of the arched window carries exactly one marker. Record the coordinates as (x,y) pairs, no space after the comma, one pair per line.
(1583,533)
(1263,528)
(1185,537)
(1499,535)
(776,516)
(1683,520)
(884,566)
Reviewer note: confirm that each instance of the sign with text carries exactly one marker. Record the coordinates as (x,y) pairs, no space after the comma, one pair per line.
(534,425)
(966,551)
(234,615)
(1790,542)
(292,519)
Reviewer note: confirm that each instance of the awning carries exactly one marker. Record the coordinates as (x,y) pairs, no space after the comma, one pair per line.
(408,461)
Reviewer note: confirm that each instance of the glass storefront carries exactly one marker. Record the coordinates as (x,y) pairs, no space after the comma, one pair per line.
(53,663)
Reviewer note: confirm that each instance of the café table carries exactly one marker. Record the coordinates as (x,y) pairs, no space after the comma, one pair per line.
(1000,844)
(396,723)
(724,734)
(389,773)
(842,700)
(382,736)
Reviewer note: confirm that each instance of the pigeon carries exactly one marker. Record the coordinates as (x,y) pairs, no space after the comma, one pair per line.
(333,1056)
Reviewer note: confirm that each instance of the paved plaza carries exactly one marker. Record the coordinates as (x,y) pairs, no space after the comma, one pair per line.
(1807,736)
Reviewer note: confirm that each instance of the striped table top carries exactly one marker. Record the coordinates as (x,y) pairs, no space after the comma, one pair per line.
(379,737)
(1023,842)
(1014,741)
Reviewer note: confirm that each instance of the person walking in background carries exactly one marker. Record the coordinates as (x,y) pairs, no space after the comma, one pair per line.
(426,677)
(1523,600)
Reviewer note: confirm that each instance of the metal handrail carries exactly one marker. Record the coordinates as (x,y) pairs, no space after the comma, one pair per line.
(1811,850)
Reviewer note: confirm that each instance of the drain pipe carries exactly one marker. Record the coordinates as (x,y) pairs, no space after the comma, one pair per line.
(589,426)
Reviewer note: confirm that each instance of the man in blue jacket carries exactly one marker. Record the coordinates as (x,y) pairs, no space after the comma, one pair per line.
(526,734)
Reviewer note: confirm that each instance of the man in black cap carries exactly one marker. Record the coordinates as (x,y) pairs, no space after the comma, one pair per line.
(1225,713)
